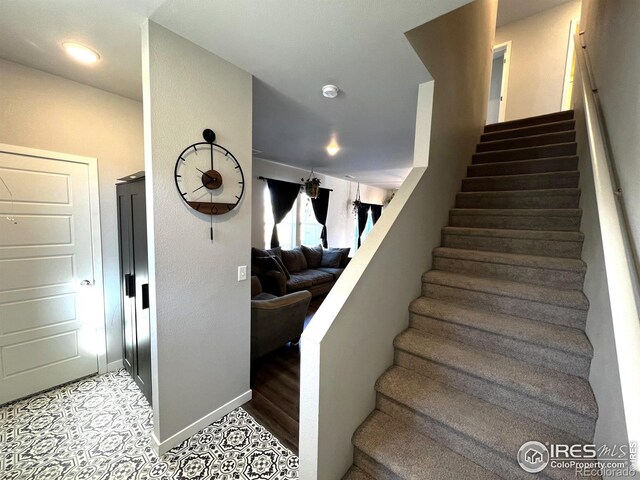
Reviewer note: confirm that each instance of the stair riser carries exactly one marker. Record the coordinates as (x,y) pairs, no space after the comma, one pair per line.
(560,164)
(514,400)
(516,222)
(530,121)
(371,467)
(525,153)
(517,273)
(544,312)
(523,142)
(452,439)
(524,182)
(528,131)
(546,357)
(511,200)
(548,248)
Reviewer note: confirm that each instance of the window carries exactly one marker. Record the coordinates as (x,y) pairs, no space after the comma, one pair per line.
(310,229)
(286,229)
(367,230)
(299,227)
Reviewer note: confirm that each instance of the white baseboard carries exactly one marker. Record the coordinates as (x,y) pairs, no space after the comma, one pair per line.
(176,439)
(114,366)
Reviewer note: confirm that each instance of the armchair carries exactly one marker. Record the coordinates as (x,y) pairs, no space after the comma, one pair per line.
(275,321)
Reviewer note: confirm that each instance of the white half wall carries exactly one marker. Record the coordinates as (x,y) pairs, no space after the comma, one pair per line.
(349,342)
(200,313)
(538,57)
(341,222)
(47,112)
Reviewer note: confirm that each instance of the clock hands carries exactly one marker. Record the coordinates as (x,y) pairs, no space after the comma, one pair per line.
(206,175)
(211,157)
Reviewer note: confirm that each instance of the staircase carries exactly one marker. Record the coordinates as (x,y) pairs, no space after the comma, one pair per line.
(495,354)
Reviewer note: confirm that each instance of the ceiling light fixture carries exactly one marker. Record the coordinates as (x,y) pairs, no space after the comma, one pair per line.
(330,91)
(333,148)
(81,53)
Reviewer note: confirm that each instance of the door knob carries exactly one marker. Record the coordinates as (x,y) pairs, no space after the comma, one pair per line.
(85,283)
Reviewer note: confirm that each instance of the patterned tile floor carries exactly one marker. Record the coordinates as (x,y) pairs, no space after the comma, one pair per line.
(98,428)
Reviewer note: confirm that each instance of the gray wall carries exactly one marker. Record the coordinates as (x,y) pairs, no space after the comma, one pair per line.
(200,312)
(613,37)
(538,58)
(44,111)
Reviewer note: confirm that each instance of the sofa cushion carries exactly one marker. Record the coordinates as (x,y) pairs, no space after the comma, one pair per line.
(336,272)
(308,278)
(257,252)
(294,260)
(331,259)
(313,255)
(265,264)
(264,296)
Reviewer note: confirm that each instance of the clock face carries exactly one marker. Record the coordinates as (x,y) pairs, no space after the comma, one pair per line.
(209,178)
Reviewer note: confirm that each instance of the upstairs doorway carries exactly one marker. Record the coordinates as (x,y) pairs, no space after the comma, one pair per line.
(499,83)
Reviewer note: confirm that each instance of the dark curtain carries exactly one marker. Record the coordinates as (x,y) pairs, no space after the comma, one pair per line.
(376,211)
(283,196)
(363,211)
(320,208)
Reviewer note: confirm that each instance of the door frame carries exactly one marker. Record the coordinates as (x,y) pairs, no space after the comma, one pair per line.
(506,48)
(96,238)
(566,94)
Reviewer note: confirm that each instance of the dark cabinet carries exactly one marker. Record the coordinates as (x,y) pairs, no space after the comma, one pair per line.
(134,281)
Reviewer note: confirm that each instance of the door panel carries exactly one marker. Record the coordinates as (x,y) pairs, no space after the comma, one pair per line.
(47,323)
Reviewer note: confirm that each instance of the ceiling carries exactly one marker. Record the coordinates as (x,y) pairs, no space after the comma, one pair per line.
(514,10)
(292,47)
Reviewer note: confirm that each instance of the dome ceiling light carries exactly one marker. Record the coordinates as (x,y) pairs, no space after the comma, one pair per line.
(80,53)
(330,91)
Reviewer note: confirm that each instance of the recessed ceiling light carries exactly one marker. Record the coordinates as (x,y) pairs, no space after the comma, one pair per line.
(330,91)
(81,53)
(350,176)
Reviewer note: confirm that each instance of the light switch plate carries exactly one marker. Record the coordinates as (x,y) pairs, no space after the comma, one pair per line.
(242,273)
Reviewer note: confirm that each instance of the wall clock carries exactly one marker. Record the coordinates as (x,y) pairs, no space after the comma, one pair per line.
(208,176)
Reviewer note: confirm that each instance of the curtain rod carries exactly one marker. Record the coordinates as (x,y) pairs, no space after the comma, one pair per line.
(265,179)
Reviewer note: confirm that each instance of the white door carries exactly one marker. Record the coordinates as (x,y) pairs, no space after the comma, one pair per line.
(49,322)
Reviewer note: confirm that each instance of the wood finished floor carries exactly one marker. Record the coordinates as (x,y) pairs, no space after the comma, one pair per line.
(276,390)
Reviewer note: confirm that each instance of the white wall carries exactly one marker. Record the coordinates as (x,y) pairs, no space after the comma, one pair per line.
(44,111)
(538,59)
(349,342)
(612,37)
(341,222)
(200,314)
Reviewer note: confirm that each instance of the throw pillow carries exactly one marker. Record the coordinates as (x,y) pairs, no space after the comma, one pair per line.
(257,252)
(313,255)
(331,258)
(283,269)
(294,260)
(265,264)
(344,252)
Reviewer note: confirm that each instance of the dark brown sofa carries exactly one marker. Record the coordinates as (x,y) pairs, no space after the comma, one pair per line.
(303,268)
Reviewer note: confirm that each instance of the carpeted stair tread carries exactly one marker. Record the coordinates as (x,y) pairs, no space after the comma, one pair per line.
(560,126)
(566,339)
(539,165)
(525,181)
(552,263)
(511,212)
(535,198)
(355,473)
(553,387)
(525,153)
(408,455)
(559,219)
(528,141)
(535,293)
(481,424)
(528,121)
